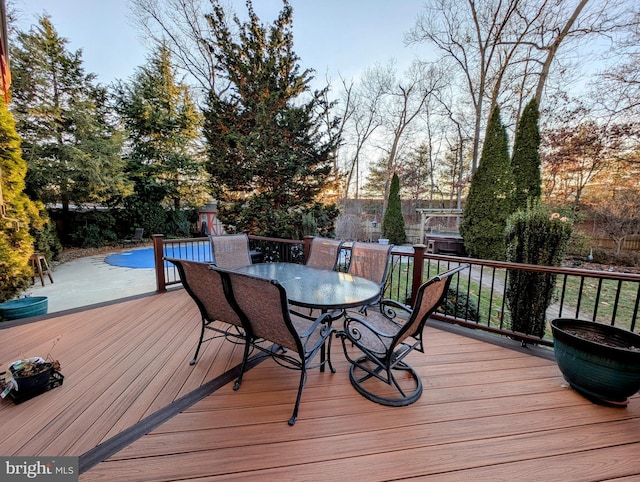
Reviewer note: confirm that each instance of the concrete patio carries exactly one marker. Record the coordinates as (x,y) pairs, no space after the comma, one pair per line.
(89,280)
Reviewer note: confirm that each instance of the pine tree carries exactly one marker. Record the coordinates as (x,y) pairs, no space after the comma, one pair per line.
(17,213)
(72,150)
(165,160)
(269,155)
(525,161)
(393,221)
(489,201)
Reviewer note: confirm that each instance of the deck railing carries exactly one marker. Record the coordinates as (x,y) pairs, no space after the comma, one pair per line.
(478,297)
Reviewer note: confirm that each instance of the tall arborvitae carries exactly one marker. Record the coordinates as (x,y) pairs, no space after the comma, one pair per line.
(525,161)
(489,201)
(393,222)
(18,214)
(269,148)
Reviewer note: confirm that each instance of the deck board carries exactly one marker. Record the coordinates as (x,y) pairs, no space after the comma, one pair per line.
(488,412)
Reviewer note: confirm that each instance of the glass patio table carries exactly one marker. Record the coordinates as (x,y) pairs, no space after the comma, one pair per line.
(317,288)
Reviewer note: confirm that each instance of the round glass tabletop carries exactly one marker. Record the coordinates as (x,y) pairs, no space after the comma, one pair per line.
(317,288)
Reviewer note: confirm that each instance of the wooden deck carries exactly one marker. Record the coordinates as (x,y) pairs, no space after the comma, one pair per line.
(133,409)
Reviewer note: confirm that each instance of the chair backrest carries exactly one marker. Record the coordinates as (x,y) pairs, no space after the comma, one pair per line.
(264,303)
(370,261)
(137,235)
(323,253)
(205,285)
(430,296)
(230,251)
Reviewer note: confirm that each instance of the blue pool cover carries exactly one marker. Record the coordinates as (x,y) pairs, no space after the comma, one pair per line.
(143,258)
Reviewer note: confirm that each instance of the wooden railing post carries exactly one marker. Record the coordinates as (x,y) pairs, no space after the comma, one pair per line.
(158,254)
(307,248)
(418,268)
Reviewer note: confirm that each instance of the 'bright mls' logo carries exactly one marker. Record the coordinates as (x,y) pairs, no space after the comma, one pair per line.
(59,469)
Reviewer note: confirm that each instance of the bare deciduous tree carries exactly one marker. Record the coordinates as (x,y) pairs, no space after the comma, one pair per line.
(575,155)
(182,24)
(406,102)
(619,87)
(504,51)
(618,216)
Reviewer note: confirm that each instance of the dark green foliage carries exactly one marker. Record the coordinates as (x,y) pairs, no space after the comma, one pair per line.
(46,239)
(269,147)
(72,150)
(178,224)
(489,201)
(460,305)
(92,236)
(525,161)
(534,236)
(309,225)
(165,161)
(92,229)
(393,221)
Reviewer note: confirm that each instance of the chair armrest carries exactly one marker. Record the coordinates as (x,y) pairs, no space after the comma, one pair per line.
(324,318)
(352,331)
(395,304)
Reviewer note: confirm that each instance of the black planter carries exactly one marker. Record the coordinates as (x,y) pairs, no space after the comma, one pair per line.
(32,383)
(601,362)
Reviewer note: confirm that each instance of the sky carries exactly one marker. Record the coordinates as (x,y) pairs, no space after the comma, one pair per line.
(330,36)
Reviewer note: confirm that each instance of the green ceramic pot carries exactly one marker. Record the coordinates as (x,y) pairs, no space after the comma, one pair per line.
(24,307)
(600,361)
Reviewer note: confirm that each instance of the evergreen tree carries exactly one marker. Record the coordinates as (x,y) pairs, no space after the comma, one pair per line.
(165,159)
(17,212)
(525,161)
(533,235)
(269,154)
(393,221)
(489,201)
(72,151)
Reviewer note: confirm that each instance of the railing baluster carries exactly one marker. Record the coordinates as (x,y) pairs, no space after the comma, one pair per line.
(579,302)
(493,284)
(597,300)
(564,287)
(615,304)
(635,309)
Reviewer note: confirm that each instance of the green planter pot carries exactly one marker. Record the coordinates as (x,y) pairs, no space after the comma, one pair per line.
(601,362)
(24,307)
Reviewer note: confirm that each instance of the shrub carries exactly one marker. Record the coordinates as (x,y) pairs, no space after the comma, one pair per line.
(580,243)
(91,229)
(534,236)
(460,305)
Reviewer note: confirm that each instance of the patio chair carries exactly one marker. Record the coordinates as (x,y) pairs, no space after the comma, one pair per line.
(230,251)
(324,253)
(370,261)
(135,239)
(386,338)
(264,305)
(206,286)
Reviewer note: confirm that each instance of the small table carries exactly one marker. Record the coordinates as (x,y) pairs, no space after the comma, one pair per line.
(317,288)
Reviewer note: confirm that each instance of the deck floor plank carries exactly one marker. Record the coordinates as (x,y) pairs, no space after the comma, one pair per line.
(487,412)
